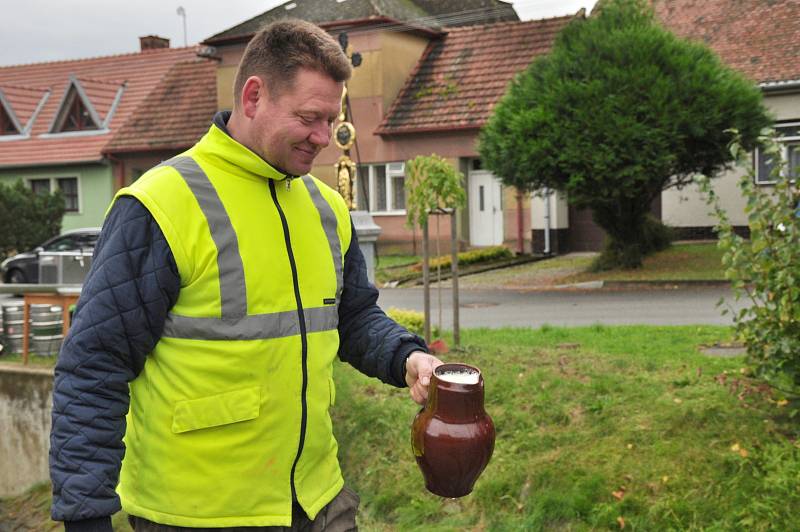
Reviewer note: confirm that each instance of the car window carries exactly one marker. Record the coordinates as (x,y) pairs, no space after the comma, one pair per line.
(62,244)
(87,241)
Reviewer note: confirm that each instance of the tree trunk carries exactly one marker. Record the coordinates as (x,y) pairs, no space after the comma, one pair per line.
(426,281)
(520,224)
(454,270)
(624,224)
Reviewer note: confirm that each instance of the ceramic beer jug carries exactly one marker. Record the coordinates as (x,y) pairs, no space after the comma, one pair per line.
(453,436)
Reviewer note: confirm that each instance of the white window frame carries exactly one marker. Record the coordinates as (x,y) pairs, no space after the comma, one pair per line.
(393,169)
(54,186)
(784,143)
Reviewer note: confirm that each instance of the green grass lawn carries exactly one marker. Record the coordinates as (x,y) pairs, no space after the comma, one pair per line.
(680,262)
(393,261)
(595,426)
(391,267)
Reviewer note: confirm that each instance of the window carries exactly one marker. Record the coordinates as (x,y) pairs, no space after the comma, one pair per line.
(7,126)
(74,115)
(68,186)
(789,143)
(40,186)
(383,186)
(66,243)
(69,189)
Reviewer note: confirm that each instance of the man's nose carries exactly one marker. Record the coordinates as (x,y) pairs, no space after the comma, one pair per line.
(320,135)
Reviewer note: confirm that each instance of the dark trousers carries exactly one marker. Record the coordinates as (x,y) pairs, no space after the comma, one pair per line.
(338,516)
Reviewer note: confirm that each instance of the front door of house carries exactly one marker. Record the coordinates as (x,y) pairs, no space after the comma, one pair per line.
(485,209)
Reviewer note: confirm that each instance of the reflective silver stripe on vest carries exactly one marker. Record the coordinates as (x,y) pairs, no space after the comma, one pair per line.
(329,224)
(235,323)
(232,287)
(253,327)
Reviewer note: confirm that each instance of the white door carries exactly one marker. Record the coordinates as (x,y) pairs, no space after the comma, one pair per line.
(485,209)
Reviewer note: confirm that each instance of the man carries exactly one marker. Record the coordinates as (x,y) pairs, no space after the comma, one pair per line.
(225,282)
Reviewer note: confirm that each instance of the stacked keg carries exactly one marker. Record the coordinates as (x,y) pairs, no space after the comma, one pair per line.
(12,327)
(45,327)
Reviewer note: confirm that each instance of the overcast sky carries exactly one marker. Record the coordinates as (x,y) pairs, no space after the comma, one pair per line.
(47,30)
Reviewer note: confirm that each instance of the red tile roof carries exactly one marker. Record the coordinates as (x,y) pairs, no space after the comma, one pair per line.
(759,38)
(23,101)
(100,79)
(175,114)
(462,76)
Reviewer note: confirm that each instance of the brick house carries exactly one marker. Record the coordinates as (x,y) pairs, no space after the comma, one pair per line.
(759,39)
(90,126)
(430,74)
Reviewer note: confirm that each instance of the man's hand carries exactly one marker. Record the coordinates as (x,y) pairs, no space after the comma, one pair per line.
(419,369)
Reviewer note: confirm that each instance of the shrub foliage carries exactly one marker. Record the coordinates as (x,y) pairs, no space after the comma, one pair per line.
(765,269)
(26,218)
(473,256)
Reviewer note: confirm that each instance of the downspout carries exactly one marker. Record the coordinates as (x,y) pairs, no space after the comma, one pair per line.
(520,241)
(119,171)
(546,221)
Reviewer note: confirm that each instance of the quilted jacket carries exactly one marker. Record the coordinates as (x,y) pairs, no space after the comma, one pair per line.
(120,316)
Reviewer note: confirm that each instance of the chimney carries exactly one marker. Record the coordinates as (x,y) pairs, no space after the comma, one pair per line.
(153,42)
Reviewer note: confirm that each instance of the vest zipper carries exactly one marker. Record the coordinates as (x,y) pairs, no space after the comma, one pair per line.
(303,339)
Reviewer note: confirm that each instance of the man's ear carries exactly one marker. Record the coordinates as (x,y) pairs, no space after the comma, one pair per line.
(252,91)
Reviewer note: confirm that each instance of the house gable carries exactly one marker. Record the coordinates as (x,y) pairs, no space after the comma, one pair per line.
(104,92)
(20,106)
(87,105)
(9,125)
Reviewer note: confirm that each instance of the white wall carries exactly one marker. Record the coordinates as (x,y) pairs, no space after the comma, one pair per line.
(25,406)
(685,208)
(559,215)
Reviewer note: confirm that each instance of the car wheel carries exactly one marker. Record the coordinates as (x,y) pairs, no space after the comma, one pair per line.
(16,277)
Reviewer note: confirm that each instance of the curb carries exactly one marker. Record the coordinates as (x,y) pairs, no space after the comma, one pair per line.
(622,285)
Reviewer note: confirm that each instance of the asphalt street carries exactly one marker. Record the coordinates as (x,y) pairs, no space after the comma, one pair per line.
(500,308)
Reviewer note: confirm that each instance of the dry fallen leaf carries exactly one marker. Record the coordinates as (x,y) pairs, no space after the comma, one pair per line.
(621,522)
(665,479)
(630,446)
(735,447)
(782,402)
(743,453)
(677,401)
(618,494)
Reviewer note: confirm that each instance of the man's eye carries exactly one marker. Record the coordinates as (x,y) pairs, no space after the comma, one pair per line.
(306,119)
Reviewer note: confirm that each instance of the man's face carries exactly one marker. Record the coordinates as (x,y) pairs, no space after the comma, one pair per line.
(292,128)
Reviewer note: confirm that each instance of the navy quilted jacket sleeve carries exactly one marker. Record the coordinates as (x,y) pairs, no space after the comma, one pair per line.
(130,288)
(369,340)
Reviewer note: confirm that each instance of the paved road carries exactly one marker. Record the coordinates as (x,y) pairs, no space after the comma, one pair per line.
(499,308)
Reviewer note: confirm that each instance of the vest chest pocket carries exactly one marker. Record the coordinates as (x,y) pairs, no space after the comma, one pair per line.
(216,410)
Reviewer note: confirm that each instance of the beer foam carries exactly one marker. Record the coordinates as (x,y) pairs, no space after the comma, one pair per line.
(459,377)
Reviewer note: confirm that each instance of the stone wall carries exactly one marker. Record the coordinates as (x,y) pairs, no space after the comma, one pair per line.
(25,405)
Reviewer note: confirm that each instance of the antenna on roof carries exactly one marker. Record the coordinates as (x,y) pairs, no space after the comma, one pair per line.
(182,13)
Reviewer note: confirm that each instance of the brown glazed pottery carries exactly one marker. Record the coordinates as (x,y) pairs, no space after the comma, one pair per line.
(453,436)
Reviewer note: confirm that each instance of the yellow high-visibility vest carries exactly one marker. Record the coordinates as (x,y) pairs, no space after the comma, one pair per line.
(229,418)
